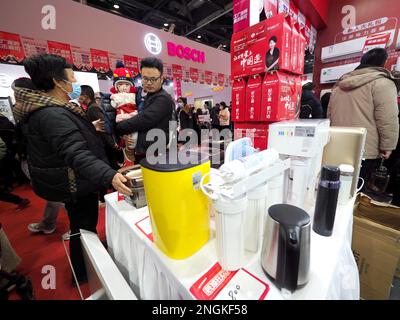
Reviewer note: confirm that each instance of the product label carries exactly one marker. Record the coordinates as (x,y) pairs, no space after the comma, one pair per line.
(196,178)
(304,132)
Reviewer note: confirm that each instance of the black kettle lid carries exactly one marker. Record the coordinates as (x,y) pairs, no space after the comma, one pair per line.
(289,215)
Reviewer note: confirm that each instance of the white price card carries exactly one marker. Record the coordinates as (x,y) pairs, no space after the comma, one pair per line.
(244,286)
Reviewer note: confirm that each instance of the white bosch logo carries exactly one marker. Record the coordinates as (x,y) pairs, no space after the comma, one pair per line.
(153,43)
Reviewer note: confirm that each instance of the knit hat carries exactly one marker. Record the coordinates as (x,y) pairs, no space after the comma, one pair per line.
(121,74)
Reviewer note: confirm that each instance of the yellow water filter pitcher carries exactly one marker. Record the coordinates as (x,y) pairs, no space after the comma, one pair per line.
(179,211)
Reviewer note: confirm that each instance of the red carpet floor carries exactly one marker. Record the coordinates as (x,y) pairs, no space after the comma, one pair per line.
(39,250)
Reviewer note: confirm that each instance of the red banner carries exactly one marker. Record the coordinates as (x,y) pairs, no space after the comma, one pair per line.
(61,49)
(194,75)
(294,12)
(177,88)
(307,33)
(270,8)
(11,47)
(168,71)
(208,77)
(177,72)
(186,74)
(33,46)
(113,58)
(227,81)
(100,60)
(131,63)
(376,41)
(215,79)
(82,59)
(202,77)
(221,79)
(284,6)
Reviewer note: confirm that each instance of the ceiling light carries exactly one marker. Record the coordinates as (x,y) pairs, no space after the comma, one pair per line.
(224,46)
(198,37)
(166,24)
(116,6)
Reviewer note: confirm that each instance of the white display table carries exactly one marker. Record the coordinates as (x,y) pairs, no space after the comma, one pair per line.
(152,275)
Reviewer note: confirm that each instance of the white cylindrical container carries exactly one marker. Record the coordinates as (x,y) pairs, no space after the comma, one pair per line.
(346,181)
(229,232)
(298,183)
(255,212)
(242,167)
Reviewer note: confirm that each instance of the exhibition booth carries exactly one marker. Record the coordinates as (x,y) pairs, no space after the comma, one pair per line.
(273,218)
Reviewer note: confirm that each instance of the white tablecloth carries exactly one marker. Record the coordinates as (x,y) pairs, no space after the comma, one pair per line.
(153,275)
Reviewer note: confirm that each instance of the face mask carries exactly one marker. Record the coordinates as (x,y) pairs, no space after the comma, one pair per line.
(76,90)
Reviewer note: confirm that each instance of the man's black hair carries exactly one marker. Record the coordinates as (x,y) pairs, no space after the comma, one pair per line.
(43,68)
(376,57)
(152,62)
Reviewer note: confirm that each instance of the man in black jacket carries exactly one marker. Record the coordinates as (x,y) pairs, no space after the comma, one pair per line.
(310,105)
(67,160)
(158,111)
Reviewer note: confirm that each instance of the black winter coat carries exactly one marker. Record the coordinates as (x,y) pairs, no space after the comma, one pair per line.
(310,106)
(66,155)
(159,110)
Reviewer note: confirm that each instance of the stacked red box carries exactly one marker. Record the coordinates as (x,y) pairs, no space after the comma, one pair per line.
(266,61)
(256,131)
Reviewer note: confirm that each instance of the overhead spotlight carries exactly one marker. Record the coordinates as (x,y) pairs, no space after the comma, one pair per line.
(166,24)
(116,6)
(199,37)
(224,46)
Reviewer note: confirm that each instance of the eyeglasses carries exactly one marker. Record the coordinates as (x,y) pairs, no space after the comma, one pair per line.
(150,80)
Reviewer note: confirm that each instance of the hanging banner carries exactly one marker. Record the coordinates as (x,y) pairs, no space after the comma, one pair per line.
(294,12)
(33,46)
(100,60)
(186,74)
(177,72)
(113,58)
(376,41)
(202,77)
(284,6)
(227,80)
(194,75)
(131,63)
(61,49)
(307,33)
(215,79)
(313,41)
(11,49)
(270,8)
(302,20)
(81,58)
(208,77)
(177,88)
(221,79)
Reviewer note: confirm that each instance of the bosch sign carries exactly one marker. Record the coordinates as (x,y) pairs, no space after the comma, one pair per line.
(186,53)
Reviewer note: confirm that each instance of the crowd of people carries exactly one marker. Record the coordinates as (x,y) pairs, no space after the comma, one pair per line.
(70,142)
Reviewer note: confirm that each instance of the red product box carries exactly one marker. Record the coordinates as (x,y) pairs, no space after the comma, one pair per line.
(299,90)
(256,131)
(302,50)
(278,97)
(253,98)
(265,46)
(295,49)
(238,100)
